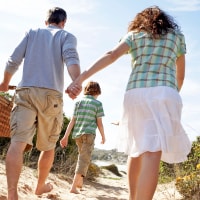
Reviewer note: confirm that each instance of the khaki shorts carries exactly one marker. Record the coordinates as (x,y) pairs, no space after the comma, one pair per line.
(37,110)
(85,145)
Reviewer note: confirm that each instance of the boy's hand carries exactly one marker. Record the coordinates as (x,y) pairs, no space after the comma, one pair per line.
(103,140)
(64,142)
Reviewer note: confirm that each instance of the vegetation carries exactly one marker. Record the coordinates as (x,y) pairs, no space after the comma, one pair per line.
(186,175)
(188,179)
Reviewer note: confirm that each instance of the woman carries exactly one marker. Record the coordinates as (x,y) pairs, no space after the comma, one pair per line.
(150,128)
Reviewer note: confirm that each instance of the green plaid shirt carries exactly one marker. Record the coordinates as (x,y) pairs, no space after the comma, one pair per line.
(86,112)
(154,61)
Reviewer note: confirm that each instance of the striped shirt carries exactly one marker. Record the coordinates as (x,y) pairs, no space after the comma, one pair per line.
(154,60)
(86,112)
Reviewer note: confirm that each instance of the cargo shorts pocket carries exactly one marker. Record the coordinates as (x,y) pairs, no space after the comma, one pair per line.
(57,128)
(54,104)
(53,138)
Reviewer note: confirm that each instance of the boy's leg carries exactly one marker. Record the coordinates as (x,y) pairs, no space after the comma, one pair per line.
(85,146)
(75,184)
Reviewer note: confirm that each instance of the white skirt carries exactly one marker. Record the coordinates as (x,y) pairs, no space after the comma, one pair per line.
(151,121)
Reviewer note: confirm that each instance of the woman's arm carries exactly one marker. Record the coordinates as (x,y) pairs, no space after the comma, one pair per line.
(180,70)
(101,63)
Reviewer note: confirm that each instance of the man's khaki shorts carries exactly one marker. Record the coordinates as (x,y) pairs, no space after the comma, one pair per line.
(40,111)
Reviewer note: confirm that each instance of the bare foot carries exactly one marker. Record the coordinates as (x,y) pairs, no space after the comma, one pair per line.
(75,191)
(80,183)
(45,189)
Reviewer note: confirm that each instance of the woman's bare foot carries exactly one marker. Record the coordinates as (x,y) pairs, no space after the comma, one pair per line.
(45,189)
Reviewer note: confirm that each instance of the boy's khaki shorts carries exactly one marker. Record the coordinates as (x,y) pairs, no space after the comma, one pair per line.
(37,110)
(85,145)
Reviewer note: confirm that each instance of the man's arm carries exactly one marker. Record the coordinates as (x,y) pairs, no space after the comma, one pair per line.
(4,86)
(74,71)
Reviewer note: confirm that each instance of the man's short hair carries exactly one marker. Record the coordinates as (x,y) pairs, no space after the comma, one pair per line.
(56,15)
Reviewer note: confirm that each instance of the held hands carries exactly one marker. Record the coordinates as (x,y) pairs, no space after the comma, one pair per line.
(73,90)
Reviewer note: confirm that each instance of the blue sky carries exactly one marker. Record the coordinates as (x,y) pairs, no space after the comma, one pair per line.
(98,26)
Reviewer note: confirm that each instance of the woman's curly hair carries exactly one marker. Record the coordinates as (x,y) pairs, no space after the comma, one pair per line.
(92,88)
(154,21)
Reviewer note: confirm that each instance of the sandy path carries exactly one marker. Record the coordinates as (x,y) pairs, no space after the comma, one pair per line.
(106,187)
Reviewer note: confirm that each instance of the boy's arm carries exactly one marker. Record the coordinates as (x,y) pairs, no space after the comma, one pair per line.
(101,129)
(64,140)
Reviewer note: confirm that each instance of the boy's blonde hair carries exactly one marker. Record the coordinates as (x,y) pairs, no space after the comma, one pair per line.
(92,88)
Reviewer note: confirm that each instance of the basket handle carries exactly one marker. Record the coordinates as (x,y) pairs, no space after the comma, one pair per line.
(11,87)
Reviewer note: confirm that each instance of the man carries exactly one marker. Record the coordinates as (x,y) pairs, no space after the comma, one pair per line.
(38,97)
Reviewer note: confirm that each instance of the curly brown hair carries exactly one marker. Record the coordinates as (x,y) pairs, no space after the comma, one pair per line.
(154,21)
(92,88)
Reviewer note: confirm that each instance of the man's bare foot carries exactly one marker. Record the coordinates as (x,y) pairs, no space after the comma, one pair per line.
(45,189)
(75,191)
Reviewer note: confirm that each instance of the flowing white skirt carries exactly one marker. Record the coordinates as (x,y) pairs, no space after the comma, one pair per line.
(151,121)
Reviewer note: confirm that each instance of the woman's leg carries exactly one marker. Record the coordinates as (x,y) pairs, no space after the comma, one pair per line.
(148,176)
(134,165)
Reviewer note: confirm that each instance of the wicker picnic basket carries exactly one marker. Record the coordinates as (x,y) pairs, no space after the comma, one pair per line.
(6,105)
(5,109)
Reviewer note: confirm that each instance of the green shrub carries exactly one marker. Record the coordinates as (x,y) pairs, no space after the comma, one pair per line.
(188,179)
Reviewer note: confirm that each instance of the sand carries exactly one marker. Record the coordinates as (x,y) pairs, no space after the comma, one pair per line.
(107,187)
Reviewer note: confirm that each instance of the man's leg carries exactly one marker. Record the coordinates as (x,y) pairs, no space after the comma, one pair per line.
(45,163)
(14,161)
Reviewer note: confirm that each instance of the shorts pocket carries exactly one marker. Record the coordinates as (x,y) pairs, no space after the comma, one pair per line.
(57,128)
(54,105)
(53,138)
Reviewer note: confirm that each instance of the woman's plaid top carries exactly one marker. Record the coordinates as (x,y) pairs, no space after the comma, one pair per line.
(154,60)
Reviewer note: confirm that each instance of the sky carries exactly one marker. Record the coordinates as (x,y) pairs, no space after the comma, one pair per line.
(98,26)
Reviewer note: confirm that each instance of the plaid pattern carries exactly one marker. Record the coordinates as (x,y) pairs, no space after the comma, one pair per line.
(154,61)
(86,112)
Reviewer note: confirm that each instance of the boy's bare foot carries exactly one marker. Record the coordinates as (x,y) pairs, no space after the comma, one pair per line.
(45,189)
(75,191)
(80,183)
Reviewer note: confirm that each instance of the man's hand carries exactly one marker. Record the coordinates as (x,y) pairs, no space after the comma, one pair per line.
(73,90)
(4,87)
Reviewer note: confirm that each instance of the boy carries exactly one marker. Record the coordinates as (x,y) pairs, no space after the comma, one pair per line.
(86,118)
